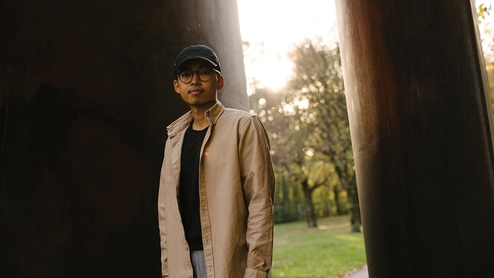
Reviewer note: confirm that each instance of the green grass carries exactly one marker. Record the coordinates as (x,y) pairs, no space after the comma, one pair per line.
(330,250)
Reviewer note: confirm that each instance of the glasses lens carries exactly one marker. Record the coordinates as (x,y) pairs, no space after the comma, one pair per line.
(203,74)
(185,76)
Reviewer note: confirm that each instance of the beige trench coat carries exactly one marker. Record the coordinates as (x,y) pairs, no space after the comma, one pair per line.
(236,188)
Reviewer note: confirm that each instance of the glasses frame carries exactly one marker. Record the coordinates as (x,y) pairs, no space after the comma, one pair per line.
(193,72)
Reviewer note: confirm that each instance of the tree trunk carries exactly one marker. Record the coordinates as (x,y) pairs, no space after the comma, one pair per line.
(353,201)
(355,220)
(337,190)
(309,206)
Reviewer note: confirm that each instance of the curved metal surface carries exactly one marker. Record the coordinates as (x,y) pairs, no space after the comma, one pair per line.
(421,136)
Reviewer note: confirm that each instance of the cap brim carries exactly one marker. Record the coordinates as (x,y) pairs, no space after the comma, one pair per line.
(177,67)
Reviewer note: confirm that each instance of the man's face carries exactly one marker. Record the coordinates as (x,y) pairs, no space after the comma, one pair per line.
(198,93)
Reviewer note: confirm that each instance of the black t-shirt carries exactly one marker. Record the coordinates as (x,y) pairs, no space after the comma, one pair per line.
(189,187)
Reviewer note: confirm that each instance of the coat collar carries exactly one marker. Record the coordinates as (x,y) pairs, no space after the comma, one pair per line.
(212,115)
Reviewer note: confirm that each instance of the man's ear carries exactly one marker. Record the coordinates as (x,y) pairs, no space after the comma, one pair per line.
(221,83)
(176,87)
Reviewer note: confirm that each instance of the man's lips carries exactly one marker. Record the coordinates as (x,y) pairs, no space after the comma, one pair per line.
(195,91)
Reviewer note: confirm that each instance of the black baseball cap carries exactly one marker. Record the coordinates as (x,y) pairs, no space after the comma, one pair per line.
(197,52)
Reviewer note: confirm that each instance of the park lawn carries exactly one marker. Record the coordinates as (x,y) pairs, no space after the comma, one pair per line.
(330,250)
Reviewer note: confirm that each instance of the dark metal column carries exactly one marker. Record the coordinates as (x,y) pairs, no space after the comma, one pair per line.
(85,96)
(422,136)
(214,23)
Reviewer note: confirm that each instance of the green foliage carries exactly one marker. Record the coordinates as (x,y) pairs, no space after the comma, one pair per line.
(310,136)
(315,96)
(490,78)
(290,206)
(486,27)
(287,198)
(328,251)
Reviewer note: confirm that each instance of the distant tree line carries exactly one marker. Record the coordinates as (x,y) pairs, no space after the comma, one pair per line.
(311,144)
(308,124)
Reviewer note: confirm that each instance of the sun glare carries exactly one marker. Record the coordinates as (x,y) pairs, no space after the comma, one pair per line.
(270,73)
(274,29)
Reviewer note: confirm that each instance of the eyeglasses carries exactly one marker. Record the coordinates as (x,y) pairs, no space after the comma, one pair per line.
(203,74)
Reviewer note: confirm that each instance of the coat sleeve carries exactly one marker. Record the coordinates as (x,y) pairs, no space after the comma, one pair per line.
(258,185)
(162,226)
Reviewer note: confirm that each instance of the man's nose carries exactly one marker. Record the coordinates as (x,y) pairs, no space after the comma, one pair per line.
(195,77)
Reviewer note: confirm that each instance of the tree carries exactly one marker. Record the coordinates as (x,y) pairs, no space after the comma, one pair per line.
(308,127)
(317,109)
(288,143)
(486,27)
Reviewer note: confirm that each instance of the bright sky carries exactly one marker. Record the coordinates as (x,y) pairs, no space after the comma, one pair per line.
(272,27)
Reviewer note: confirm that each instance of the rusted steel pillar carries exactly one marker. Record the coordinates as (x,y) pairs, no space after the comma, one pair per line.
(216,24)
(422,136)
(85,96)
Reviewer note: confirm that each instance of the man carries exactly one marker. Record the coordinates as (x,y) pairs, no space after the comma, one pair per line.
(216,193)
